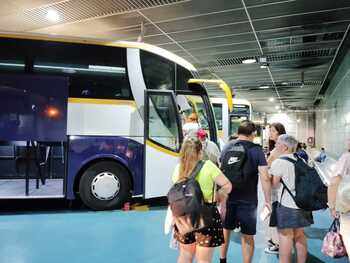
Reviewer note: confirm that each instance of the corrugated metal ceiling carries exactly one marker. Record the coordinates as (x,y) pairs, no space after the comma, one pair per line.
(298,38)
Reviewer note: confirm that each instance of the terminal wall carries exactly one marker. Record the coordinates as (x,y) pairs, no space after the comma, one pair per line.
(333,114)
(299,124)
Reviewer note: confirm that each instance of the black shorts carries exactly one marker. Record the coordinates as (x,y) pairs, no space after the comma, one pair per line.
(207,237)
(241,214)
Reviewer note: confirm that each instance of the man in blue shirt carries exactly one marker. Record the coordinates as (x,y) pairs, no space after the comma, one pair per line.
(241,207)
(322,156)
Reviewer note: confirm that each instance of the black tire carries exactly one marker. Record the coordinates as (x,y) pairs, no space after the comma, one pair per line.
(90,200)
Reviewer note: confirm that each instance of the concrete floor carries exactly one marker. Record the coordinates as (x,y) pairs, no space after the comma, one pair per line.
(116,236)
(16,188)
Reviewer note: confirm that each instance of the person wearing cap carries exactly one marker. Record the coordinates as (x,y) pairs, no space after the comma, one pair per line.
(210,149)
(339,195)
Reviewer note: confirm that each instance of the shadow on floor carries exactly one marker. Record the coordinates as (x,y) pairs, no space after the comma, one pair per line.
(315,233)
(313,259)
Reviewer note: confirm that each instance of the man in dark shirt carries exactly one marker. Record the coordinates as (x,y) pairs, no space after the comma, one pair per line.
(241,207)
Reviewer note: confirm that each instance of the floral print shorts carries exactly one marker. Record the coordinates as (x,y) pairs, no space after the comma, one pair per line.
(208,237)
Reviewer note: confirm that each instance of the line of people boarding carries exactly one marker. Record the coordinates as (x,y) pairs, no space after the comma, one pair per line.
(236,201)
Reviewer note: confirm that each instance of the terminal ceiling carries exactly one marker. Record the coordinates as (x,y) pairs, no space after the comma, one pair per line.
(298,38)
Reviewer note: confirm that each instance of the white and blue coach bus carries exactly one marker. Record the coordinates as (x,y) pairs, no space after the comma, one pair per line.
(102,121)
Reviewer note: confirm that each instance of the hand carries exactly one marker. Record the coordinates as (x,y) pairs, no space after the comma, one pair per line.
(268,205)
(334,213)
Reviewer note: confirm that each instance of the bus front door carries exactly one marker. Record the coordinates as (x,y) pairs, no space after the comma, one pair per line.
(162,141)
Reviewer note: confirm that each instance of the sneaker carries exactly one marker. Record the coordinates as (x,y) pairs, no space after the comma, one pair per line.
(272,250)
(270,243)
(237,229)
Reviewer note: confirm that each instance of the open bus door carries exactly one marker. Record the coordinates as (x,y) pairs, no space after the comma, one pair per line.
(33,123)
(162,136)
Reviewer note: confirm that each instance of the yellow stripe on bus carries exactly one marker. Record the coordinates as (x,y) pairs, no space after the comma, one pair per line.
(103,101)
(161,149)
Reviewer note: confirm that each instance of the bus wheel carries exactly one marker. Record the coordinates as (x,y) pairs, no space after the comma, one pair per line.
(105,185)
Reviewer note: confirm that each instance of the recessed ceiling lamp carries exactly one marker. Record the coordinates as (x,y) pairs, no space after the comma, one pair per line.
(271,99)
(298,120)
(264,87)
(284,83)
(277,107)
(249,61)
(52,16)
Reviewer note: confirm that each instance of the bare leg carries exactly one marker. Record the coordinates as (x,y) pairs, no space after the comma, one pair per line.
(300,245)
(345,231)
(224,247)
(274,235)
(247,247)
(186,253)
(204,254)
(286,237)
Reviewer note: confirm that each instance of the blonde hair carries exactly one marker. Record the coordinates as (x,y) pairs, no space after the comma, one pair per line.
(193,117)
(190,154)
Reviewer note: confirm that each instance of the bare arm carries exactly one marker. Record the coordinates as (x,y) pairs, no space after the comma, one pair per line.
(332,193)
(225,187)
(265,180)
(270,159)
(276,180)
(274,154)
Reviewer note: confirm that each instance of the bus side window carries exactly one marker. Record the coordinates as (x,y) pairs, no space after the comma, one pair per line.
(158,72)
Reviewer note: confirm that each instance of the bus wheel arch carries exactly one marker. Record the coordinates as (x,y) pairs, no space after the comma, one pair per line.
(104,184)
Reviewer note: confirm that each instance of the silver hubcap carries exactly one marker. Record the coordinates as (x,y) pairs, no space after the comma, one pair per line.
(105,186)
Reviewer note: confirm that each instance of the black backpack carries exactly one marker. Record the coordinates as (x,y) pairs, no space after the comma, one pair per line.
(186,197)
(233,162)
(310,192)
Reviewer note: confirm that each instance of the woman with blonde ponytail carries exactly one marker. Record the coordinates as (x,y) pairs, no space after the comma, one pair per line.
(200,244)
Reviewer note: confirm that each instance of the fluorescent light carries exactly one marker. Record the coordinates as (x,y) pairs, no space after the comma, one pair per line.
(249,61)
(107,69)
(12,65)
(264,87)
(91,68)
(52,16)
(271,99)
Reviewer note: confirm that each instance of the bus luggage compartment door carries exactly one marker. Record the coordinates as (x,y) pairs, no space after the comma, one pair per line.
(33,122)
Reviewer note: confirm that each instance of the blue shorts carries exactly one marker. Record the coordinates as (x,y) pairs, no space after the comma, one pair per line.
(241,214)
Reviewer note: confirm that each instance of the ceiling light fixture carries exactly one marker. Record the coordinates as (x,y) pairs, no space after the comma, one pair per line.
(249,61)
(277,107)
(298,120)
(52,16)
(263,66)
(271,99)
(264,87)
(284,83)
